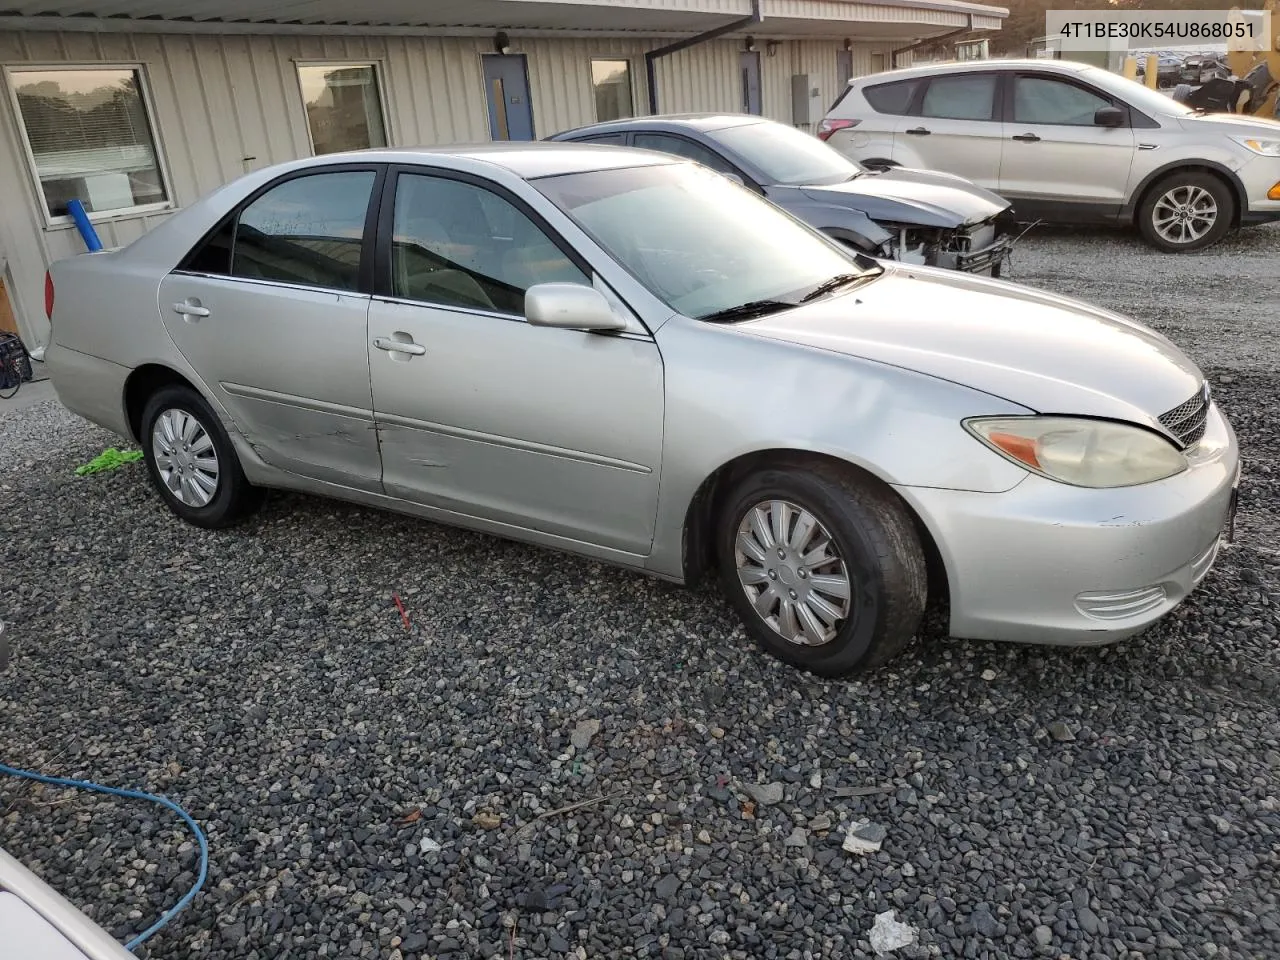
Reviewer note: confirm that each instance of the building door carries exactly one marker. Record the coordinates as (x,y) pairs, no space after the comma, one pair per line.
(844,67)
(750,60)
(506,82)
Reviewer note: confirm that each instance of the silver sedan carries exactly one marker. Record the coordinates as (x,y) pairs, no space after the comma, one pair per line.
(630,357)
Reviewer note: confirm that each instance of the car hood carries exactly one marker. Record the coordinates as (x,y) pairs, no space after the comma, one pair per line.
(1048,353)
(922,197)
(1233,125)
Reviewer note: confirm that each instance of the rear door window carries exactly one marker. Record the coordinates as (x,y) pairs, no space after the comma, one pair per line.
(680,147)
(962,96)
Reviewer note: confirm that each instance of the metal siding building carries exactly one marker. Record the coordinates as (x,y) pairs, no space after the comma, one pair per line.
(219,82)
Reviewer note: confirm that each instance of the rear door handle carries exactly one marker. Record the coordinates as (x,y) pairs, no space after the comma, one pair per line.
(920,131)
(1027,137)
(188,309)
(399,346)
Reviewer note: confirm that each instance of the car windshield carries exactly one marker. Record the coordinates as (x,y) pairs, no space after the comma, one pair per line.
(703,244)
(786,155)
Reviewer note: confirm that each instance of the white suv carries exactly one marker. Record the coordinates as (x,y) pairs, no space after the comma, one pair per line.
(1068,142)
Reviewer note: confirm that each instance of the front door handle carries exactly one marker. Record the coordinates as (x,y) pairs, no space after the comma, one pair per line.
(1027,137)
(920,131)
(399,346)
(188,309)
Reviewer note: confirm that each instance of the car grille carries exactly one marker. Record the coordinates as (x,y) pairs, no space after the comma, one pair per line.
(1186,421)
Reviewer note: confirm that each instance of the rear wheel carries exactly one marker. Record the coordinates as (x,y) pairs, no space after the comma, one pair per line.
(191,461)
(825,567)
(1186,211)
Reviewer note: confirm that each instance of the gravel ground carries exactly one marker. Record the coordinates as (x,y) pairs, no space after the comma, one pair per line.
(372,792)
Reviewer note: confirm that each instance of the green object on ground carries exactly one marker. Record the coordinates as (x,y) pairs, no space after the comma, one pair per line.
(109,459)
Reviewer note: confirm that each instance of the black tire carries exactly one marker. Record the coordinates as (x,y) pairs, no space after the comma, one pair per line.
(875,538)
(233,497)
(1190,180)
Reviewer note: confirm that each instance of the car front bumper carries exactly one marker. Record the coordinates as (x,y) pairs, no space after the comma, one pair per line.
(1260,176)
(1054,564)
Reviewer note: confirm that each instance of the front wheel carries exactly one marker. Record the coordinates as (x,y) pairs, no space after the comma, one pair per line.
(825,567)
(191,460)
(1186,211)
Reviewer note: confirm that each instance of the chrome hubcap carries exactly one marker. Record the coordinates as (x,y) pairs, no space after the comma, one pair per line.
(792,573)
(185,457)
(1185,214)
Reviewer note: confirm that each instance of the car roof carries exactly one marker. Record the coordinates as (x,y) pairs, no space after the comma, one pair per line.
(527,159)
(970,66)
(669,121)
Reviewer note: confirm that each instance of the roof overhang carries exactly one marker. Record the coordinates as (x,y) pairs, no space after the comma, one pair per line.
(856,19)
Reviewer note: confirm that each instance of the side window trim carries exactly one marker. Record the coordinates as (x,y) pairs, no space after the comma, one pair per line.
(381,283)
(1010,92)
(367,246)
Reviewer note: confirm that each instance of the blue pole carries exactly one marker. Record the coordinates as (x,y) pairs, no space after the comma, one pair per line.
(81,218)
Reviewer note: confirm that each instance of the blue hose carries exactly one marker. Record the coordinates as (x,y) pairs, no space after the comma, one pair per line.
(134,795)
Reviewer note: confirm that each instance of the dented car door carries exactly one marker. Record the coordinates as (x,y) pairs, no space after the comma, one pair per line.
(270,313)
(481,413)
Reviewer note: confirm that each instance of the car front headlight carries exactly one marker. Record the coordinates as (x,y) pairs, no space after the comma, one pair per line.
(1083,453)
(1268,148)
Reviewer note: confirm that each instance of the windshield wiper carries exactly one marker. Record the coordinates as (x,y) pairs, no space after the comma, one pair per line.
(835,283)
(745,311)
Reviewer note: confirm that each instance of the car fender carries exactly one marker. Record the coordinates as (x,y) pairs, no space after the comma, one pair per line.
(898,425)
(1183,163)
(844,224)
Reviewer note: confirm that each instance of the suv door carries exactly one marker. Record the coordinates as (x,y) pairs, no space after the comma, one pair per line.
(1055,153)
(480,413)
(954,127)
(270,310)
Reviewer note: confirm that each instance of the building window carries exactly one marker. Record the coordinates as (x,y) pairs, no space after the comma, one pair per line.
(344,109)
(611,81)
(90,139)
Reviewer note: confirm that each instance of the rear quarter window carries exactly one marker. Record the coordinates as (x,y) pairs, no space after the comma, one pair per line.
(893,97)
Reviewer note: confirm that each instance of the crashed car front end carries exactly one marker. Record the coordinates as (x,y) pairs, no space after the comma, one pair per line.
(980,247)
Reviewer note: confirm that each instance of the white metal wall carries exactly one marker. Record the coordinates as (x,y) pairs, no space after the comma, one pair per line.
(223,105)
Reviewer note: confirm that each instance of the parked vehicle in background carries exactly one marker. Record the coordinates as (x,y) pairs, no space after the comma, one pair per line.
(627,356)
(1068,142)
(1168,69)
(1198,70)
(916,216)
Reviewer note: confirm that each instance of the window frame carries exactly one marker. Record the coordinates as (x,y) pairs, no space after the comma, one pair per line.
(378,66)
(631,84)
(368,248)
(139,69)
(383,286)
(999,89)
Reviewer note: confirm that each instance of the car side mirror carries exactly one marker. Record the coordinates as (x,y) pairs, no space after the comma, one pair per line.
(1108,117)
(570,306)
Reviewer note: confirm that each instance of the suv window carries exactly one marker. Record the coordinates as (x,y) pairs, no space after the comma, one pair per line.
(459,244)
(968,96)
(1044,100)
(680,147)
(891,97)
(308,230)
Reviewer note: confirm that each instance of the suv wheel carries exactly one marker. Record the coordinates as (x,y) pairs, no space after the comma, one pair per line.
(824,566)
(1186,211)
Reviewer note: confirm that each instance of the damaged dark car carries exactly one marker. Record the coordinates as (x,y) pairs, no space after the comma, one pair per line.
(913,216)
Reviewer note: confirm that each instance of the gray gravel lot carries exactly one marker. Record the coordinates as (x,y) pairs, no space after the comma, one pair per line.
(372,792)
